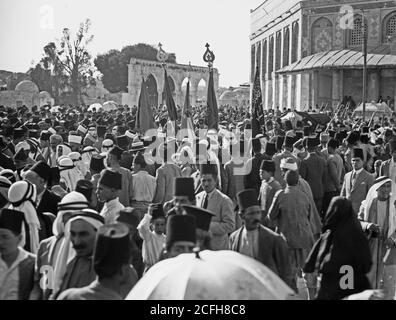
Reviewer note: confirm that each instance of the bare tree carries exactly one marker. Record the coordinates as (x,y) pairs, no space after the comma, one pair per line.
(70,58)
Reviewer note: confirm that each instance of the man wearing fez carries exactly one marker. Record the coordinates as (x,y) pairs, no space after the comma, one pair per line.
(358,182)
(259,242)
(269,186)
(269,151)
(313,169)
(286,153)
(166,173)
(223,223)
(252,179)
(109,185)
(115,277)
(290,213)
(86,188)
(80,231)
(16,264)
(126,157)
(152,230)
(39,175)
(45,144)
(180,235)
(202,218)
(96,165)
(131,219)
(113,162)
(143,185)
(235,170)
(183,194)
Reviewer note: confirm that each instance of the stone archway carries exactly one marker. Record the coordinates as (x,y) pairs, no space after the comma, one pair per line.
(152,90)
(177,72)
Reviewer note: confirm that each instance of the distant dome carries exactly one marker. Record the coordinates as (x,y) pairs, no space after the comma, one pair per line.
(226,95)
(242,90)
(27,86)
(44,94)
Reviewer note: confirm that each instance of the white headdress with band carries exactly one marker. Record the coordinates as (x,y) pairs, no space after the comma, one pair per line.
(373,194)
(22,196)
(66,252)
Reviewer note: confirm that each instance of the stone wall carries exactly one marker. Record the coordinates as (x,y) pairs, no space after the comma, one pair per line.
(16,99)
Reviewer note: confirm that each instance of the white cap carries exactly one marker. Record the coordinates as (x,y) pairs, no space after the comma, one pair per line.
(52,130)
(82,129)
(22,145)
(107,143)
(75,156)
(65,162)
(74,139)
(130,134)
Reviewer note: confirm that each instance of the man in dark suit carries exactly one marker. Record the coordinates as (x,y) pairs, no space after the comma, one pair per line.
(314,170)
(259,242)
(358,182)
(252,179)
(47,202)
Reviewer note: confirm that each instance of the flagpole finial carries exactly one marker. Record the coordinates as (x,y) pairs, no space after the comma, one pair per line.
(162,56)
(209,56)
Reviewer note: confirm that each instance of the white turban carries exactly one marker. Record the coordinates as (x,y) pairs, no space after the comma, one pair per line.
(288,164)
(74,139)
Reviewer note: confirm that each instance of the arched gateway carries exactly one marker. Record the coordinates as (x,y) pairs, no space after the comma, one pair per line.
(153,74)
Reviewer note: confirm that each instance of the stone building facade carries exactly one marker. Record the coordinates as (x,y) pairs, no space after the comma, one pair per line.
(284,33)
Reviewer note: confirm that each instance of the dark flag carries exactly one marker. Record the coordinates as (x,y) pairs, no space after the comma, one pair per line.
(170,104)
(213,111)
(185,111)
(144,117)
(256,108)
(186,122)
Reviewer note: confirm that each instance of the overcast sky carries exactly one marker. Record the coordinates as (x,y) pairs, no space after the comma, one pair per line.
(182,26)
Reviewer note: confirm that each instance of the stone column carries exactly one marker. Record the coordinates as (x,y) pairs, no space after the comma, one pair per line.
(266,88)
(275,91)
(314,87)
(280,91)
(336,88)
(290,91)
(283,91)
(303,93)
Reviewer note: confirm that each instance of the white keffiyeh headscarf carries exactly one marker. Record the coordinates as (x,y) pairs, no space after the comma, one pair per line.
(66,252)
(69,174)
(78,162)
(87,154)
(373,194)
(23,195)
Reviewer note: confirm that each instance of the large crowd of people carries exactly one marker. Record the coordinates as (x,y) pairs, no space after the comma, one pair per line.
(89,203)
